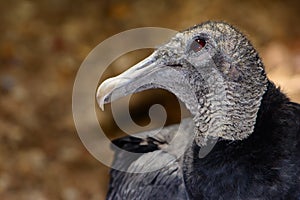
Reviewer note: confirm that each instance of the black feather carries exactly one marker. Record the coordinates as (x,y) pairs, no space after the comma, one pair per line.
(266,165)
(260,159)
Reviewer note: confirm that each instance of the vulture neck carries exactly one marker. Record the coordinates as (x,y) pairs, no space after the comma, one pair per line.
(226,156)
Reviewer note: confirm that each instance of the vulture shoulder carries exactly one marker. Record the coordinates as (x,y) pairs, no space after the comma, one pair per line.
(163,183)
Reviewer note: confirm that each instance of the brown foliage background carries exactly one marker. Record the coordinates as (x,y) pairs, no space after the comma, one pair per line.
(42,45)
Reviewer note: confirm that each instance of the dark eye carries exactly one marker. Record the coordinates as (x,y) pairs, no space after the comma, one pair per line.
(197,44)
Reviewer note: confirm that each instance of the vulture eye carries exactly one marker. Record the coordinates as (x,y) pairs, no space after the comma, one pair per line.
(197,44)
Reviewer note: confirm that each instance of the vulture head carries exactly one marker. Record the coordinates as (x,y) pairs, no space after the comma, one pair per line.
(213,69)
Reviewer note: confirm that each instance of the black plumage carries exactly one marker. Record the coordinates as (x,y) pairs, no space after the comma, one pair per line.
(165,183)
(266,165)
(257,155)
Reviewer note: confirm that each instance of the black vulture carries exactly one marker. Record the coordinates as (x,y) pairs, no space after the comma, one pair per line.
(216,72)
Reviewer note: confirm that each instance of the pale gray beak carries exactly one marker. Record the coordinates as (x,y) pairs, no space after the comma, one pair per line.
(126,83)
(152,72)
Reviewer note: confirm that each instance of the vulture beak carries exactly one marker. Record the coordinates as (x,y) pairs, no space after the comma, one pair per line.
(126,83)
(151,72)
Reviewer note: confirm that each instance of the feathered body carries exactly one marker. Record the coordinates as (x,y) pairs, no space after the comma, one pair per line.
(266,165)
(219,76)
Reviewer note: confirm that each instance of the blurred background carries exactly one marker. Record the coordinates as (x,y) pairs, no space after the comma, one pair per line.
(42,44)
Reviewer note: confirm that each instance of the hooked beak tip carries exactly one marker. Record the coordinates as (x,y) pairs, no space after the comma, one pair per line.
(121,85)
(100,98)
(104,91)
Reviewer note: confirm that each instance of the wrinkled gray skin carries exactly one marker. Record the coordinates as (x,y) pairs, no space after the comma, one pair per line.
(221,84)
